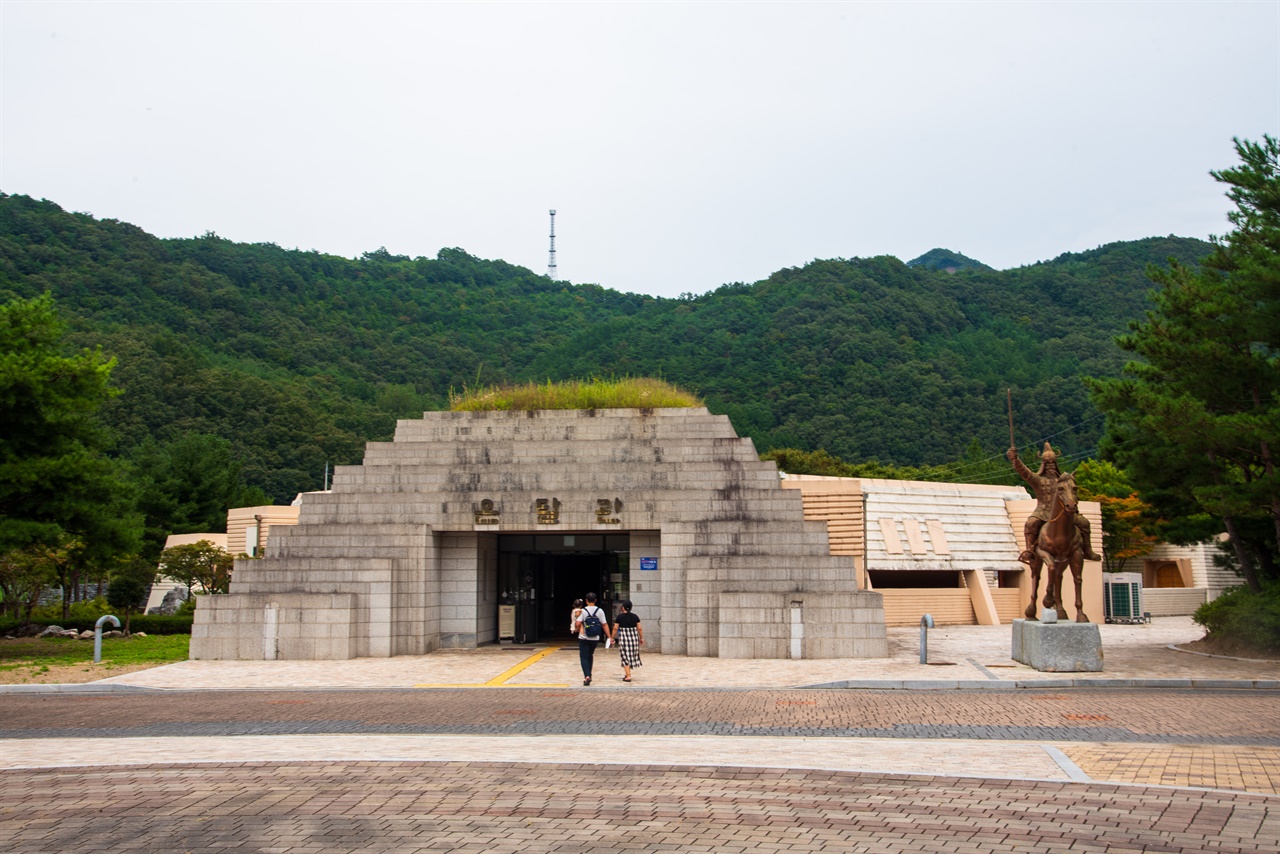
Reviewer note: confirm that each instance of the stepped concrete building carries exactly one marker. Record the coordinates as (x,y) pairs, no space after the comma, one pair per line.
(472,527)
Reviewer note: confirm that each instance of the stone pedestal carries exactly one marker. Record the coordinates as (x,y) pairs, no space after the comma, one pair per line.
(1057,647)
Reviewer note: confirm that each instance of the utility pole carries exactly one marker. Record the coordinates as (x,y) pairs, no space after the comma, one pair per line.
(551,263)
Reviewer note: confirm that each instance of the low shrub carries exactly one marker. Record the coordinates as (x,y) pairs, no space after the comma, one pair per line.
(157,624)
(87,611)
(177,624)
(1244,620)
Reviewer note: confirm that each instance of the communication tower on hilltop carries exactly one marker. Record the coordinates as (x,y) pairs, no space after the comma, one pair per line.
(551,262)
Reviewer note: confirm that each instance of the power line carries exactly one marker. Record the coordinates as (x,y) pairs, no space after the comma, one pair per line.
(956,470)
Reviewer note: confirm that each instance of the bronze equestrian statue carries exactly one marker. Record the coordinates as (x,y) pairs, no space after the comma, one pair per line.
(1057,535)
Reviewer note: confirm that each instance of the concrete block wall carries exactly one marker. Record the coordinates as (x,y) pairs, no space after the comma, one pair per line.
(646,585)
(459,556)
(378,564)
(241,626)
(399,532)
(801,625)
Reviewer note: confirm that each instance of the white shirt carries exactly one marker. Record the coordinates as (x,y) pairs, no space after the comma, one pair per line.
(592,609)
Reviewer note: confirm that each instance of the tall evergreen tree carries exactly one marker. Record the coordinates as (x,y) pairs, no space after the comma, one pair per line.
(1196,421)
(56,483)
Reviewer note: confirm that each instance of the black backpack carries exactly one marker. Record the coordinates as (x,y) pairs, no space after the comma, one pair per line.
(591,626)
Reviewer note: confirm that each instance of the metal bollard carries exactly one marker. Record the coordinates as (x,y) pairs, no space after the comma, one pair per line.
(97,636)
(926,623)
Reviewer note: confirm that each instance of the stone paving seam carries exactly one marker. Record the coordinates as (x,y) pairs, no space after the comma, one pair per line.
(1074,771)
(983,668)
(1176,648)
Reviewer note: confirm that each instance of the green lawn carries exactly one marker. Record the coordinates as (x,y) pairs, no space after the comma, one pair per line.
(35,655)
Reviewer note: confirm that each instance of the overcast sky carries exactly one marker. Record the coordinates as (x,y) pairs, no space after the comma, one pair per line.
(683,145)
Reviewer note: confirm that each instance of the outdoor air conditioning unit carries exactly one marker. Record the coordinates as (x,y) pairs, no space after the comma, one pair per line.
(1122,595)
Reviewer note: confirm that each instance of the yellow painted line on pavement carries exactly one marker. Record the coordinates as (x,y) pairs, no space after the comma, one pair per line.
(488,685)
(528,662)
(500,680)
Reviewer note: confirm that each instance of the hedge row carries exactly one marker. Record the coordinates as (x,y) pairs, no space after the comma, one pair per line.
(154,624)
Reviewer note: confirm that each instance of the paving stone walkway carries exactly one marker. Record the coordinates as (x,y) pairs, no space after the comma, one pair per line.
(518,807)
(503,750)
(969,653)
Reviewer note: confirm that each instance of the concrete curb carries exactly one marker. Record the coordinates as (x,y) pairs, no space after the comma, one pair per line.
(1176,648)
(1041,684)
(846,684)
(75,688)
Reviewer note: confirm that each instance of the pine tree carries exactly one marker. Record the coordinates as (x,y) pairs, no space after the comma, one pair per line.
(1196,422)
(58,489)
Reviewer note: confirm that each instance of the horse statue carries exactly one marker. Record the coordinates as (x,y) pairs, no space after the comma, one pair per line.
(1059,546)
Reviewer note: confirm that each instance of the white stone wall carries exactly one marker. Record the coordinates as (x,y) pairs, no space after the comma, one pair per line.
(646,585)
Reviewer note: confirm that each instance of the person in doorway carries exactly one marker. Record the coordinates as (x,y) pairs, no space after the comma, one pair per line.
(629,636)
(593,627)
(575,615)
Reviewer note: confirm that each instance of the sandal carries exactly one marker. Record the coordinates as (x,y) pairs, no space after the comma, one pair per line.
(586,681)
(625,679)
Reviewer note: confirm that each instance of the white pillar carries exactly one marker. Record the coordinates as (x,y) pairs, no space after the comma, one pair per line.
(797,632)
(270,631)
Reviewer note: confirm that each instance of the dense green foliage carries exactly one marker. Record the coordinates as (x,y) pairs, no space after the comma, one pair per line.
(1125,516)
(1244,621)
(945,259)
(57,486)
(1196,418)
(297,358)
(973,466)
(186,487)
(82,615)
(200,564)
(627,393)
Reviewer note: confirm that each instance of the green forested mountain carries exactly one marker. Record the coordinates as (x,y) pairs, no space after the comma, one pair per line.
(945,259)
(298,358)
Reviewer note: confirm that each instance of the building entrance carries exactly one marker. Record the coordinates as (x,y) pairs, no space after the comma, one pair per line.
(541,574)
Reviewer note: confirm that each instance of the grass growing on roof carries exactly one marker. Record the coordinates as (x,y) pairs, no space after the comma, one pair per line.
(629,393)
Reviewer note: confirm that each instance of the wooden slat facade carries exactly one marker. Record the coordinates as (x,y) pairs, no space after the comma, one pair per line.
(948,606)
(1009,604)
(895,526)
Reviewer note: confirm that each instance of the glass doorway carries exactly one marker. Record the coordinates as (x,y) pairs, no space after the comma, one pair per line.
(541,575)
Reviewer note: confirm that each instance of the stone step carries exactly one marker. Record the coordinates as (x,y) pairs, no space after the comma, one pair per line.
(369,532)
(621,432)
(457,509)
(308,569)
(509,453)
(693,478)
(553,423)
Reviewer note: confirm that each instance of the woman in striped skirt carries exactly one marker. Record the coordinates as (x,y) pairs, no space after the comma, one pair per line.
(629,636)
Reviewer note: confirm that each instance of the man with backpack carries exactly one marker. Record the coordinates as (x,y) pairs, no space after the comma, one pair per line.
(593,627)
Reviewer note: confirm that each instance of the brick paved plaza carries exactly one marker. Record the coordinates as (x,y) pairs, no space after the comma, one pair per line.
(211,756)
(483,807)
